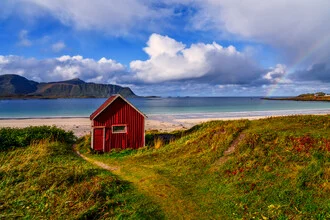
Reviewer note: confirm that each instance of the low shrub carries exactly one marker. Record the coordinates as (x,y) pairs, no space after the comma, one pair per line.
(154,137)
(158,143)
(23,137)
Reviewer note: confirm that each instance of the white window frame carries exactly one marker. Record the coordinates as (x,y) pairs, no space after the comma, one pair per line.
(119,132)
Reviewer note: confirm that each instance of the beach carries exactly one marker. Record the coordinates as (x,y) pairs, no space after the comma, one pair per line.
(82,125)
(163,114)
(163,123)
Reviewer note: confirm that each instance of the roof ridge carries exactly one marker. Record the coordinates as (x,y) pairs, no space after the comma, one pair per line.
(108,102)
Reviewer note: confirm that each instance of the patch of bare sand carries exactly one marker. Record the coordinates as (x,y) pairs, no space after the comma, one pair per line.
(81,126)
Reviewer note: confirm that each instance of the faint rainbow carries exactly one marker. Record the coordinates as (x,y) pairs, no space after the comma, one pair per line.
(299,60)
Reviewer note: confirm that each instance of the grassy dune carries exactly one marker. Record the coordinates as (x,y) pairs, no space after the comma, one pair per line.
(276,168)
(46,180)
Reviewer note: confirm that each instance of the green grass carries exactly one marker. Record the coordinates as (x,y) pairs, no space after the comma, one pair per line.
(46,180)
(280,170)
(13,137)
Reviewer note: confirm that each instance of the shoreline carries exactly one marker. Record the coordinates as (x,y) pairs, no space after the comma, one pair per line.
(167,123)
(198,115)
(46,117)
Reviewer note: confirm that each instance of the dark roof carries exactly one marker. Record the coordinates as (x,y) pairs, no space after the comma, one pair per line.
(108,102)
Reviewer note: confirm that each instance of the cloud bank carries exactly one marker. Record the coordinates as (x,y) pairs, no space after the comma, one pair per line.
(63,68)
(317,72)
(176,68)
(288,25)
(292,27)
(112,17)
(170,60)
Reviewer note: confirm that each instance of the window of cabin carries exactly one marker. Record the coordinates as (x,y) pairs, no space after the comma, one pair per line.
(119,129)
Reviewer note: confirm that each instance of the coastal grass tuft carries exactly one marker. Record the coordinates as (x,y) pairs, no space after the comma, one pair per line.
(47,180)
(276,168)
(158,143)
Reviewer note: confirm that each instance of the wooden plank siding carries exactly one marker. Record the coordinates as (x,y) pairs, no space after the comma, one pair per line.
(119,112)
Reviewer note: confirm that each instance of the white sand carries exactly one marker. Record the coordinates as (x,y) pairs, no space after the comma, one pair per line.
(82,126)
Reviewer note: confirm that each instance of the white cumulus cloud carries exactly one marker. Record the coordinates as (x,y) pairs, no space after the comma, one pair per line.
(275,75)
(170,60)
(63,68)
(3,60)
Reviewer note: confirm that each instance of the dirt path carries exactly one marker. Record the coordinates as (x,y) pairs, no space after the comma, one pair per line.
(155,186)
(231,149)
(97,163)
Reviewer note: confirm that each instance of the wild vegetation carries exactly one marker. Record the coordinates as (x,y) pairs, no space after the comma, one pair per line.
(13,138)
(275,168)
(42,178)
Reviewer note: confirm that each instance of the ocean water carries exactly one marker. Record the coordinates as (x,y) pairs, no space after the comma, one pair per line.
(184,107)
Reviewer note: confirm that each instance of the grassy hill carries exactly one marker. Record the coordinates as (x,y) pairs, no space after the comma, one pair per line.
(42,178)
(276,168)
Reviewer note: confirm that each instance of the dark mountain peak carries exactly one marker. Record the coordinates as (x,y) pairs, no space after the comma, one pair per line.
(75,81)
(12,76)
(15,84)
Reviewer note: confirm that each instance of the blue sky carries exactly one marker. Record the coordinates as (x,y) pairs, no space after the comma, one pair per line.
(172,47)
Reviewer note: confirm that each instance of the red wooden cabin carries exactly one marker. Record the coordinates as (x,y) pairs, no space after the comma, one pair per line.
(117,124)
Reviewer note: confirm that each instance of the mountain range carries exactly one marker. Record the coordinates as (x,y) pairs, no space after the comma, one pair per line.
(15,86)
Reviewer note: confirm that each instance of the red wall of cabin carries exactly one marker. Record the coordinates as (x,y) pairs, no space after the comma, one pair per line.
(121,113)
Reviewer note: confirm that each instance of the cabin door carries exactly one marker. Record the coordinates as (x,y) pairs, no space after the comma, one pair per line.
(98,139)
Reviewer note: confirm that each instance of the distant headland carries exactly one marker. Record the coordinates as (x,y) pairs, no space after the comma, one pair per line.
(319,96)
(17,87)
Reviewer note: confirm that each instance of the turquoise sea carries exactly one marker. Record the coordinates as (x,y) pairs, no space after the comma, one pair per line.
(184,107)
